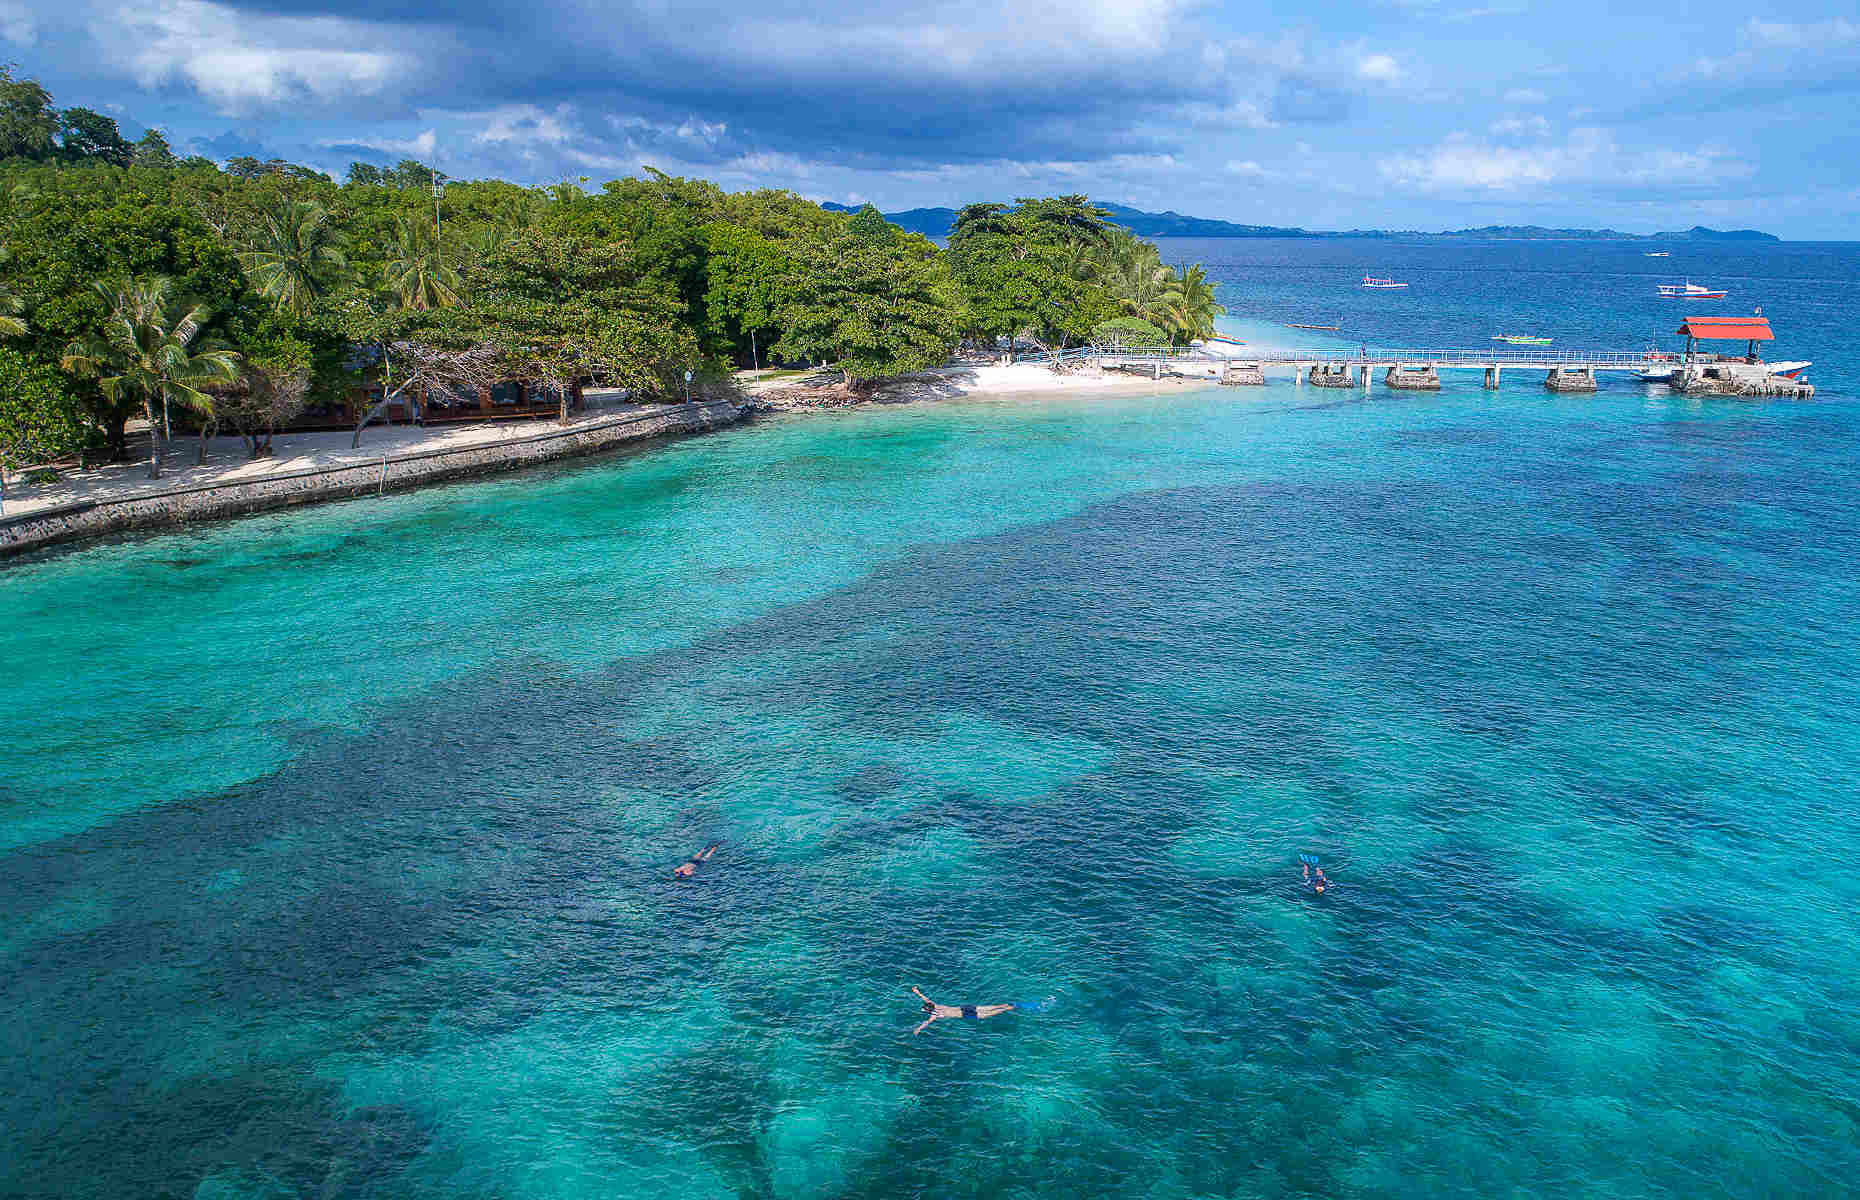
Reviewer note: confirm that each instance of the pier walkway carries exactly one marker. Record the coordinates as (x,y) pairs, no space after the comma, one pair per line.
(1538,358)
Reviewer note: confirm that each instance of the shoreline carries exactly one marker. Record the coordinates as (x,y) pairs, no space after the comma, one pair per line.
(315,468)
(107,503)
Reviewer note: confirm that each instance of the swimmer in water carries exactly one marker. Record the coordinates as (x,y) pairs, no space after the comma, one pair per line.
(1314,875)
(688,868)
(952,1012)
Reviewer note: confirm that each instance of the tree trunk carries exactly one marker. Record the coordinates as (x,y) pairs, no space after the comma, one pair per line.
(148,410)
(562,410)
(755,363)
(369,414)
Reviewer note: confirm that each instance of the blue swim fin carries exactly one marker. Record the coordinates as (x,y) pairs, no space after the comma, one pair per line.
(1033,1006)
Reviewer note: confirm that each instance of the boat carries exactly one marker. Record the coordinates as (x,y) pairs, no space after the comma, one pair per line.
(1372,281)
(1325,328)
(1521,339)
(1689,291)
(1659,254)
(1221,344)
(1660,366)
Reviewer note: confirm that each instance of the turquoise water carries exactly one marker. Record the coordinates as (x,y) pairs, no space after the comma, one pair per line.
(337,844)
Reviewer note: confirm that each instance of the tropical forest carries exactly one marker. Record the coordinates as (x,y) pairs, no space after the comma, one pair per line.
(187,295)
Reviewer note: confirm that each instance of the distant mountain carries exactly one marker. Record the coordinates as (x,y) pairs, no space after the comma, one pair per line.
(1698,233)
(1171,224)
(931,222)
(937,222)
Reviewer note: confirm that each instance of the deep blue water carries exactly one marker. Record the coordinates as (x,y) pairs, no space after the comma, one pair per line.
(1584,295)
(335,845)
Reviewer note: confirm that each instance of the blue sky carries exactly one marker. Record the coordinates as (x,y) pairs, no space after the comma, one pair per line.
(1401,113)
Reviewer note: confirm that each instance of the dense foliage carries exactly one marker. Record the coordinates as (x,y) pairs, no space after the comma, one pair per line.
(298,290)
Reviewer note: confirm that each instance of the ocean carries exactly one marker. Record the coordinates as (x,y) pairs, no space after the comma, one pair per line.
(336,845)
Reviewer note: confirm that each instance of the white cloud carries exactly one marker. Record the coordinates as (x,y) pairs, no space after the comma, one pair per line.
(1526,96)
(1379,68)
(1517,127)
(240,62)
(1785,36)
(17,24)
(421,146)
(1246,169)
(526,125)
(1588,158)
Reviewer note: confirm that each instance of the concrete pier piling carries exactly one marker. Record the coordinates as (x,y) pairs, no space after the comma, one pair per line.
(1491,377)
(1246,374)
(1736,379)
(1327,376)
(1570,379)
(1414,379)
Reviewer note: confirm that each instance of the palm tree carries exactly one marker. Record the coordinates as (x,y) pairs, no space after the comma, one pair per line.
(1191,307)
(293,251)
(417,274)
(1136,278)
(145,352)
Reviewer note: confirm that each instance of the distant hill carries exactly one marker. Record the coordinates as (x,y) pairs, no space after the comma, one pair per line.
(1698,233)
(1171,224)
(937,222)
(931,222)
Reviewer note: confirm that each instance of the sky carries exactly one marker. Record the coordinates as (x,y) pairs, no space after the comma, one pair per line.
(1407,114)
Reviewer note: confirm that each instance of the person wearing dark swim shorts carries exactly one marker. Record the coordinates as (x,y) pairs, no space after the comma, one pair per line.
(1314,874)
(688,868)
(955,1012)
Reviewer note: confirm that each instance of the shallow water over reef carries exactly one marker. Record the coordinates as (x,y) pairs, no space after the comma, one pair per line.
(337,843)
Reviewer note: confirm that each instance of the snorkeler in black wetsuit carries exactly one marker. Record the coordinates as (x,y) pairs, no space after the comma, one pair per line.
(1314,874)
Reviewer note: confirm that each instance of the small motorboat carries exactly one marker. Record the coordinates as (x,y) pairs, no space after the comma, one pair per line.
(1221,344)
(1689,291)
(1521,339)
(1789,370)
(1659,254)
(1373,281)
(1660,366)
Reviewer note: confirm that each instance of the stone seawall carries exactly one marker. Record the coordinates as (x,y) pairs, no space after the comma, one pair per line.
(393,472)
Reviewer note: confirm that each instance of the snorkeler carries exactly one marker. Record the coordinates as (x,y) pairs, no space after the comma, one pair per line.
(951,1012)
(688,868)
(1314,874)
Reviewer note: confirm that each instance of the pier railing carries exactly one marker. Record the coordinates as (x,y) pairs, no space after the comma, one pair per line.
(1538,357)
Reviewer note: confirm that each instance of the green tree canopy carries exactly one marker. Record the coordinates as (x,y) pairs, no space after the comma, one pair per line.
(39,419)
(873,309)
(28,123)
(88,136)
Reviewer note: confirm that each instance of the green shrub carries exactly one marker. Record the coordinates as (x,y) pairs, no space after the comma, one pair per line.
(39,420)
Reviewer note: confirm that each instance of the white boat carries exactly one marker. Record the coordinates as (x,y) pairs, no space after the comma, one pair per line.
(1372,281)
(1689,291)
(1660,370)
(1220,344)
(1660,366)
(1659,254)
